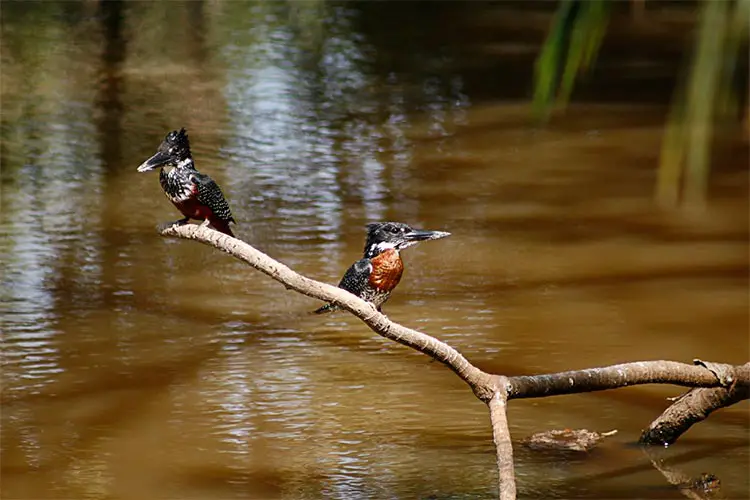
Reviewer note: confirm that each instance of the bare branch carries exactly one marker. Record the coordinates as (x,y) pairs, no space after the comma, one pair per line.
(611,377)
(483,384)
(692,407)
(493,390)
(503,447)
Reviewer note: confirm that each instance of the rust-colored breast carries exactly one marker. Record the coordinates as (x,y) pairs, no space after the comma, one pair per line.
(387,269)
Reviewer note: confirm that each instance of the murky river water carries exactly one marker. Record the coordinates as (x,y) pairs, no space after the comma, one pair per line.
(140,367)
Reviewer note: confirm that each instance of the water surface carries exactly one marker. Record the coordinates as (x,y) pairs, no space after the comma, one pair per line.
(140,367)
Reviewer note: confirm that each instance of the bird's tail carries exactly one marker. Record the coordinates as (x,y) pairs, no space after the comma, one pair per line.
(223,226)
(325,309)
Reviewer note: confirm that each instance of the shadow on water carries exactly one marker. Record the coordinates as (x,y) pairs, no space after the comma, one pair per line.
(139,367)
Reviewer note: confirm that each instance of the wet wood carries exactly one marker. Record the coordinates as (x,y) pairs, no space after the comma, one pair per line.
(575,440)
(690,408)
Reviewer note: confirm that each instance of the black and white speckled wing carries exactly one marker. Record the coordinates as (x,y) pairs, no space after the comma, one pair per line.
(355,281)
(209,194)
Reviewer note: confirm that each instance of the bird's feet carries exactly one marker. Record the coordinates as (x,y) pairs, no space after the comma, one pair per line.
(380,310)
(166,225)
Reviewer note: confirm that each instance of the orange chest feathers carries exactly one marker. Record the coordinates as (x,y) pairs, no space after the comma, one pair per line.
(387,269)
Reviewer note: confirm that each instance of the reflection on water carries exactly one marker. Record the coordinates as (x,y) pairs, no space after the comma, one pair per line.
(139,367)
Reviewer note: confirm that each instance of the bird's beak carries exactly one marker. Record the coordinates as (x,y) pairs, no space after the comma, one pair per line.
(418,235)
(158,160)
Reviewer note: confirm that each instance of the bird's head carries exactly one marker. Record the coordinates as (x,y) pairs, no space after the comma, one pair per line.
(174,151)
(382,236)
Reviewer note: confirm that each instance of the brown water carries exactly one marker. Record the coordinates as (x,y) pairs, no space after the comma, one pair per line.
(140,367)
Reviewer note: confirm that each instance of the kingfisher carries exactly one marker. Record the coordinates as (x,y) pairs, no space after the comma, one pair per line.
(376,274)
(194,194)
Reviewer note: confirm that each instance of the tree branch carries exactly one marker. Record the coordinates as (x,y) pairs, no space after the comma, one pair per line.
(481,382)
(493,390)
(611,377)
(484,384)
(690,408)
(503,447)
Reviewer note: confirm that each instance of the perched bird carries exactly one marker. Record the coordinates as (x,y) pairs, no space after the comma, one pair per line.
(374,277)
(194,194)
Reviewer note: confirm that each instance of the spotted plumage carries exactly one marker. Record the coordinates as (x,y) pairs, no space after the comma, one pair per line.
(194,194)
(374,277)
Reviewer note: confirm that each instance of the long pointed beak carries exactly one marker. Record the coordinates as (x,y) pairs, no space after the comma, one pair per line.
(419,235)
(158,160)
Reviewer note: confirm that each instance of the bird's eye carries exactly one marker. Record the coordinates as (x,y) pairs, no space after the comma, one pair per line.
(395,230)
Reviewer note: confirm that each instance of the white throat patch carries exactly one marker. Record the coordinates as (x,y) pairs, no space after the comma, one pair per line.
(383,246)
(379,248)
